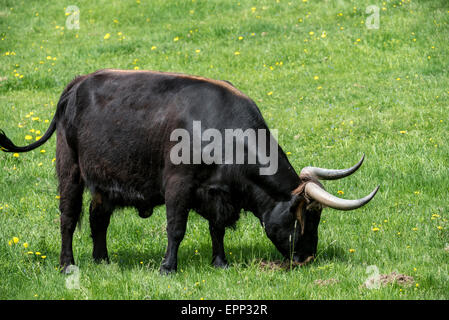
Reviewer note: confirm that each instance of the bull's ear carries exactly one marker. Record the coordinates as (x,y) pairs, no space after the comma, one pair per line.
(298,210)
(294,203)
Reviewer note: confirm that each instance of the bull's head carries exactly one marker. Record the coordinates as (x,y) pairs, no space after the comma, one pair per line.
(293,225)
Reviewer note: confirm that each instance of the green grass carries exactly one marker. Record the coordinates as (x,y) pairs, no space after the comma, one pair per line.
(335,94)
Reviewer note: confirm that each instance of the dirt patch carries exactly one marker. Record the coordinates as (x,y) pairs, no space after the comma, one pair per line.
(392,278)
(401,279)
(282,265)
(326,282)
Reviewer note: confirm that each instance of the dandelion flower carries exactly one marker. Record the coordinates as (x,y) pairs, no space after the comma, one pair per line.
(351,250)
(237,53)
(15,240)
(375,229)
(28,137)
(175,39)
(15,155)
(107,36)
(43,257)
(37,253)
(25,245)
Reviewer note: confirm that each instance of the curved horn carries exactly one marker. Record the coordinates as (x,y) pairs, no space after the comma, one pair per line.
(314,191)
(329,174)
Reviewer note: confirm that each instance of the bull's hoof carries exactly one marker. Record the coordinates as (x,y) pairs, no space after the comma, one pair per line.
(221,263)
(101,259)
(165,270)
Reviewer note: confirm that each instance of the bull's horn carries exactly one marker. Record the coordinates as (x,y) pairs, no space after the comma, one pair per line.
(314,191)
(329,174)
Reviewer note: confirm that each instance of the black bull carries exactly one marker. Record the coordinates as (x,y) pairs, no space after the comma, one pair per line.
(113,137)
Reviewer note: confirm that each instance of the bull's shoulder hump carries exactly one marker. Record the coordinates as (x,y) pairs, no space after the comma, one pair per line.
(165,75)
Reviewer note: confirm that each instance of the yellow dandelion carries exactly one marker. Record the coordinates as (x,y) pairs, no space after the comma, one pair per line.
(351,250)
(237,53)
(316,78)
(175,39)
(440,228)
(25,245)
(107,36)
(15,155)
(15,240)
(375,229)
(28,137)
(340,192)
(37,253)
(43,257)
(43,151)
(30,252)
(270,93)
(153,48)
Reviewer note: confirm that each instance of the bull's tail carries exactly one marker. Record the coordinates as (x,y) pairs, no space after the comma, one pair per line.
(8,146)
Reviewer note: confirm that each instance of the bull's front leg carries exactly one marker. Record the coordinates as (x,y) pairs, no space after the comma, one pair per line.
(218,253)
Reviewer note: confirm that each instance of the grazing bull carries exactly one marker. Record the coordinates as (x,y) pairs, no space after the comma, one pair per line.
(115,137)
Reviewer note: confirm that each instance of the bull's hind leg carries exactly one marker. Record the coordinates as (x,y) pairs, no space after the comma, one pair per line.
(99,217)
(71,189)
(176,200)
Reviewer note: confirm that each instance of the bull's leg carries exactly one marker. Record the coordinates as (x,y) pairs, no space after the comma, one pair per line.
(176,199)
(99,217)
(218,254)
(176,228)
(71,192)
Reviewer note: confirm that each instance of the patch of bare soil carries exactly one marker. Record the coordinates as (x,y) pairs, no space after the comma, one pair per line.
(401,279)
(283,265)
(392,278)
(326,282)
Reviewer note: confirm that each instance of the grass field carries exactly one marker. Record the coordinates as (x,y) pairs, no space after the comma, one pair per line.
(333,87)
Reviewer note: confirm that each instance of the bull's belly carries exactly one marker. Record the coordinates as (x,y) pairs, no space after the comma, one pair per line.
(143,194)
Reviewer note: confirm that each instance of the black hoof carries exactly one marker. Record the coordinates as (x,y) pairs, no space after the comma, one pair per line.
(164,270)
(220,263)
